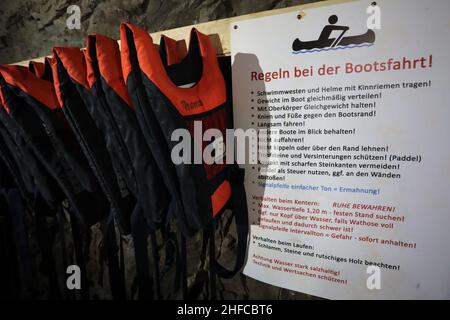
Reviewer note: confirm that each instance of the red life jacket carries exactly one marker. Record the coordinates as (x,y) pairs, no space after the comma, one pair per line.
(203,190)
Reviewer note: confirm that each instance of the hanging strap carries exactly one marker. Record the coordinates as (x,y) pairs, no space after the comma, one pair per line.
(176,246)
(45,237)
(139,233)
(183,265)
(116,276)
(239,201)
(172,256)
(235,176)
(212,259)
(202,277)
(156,258)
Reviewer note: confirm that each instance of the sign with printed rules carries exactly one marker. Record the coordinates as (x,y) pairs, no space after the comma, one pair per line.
(350,101)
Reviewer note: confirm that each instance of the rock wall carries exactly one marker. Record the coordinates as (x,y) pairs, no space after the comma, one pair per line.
(30,29)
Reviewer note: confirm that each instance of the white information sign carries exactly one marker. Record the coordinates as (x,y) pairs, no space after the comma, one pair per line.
(353,201)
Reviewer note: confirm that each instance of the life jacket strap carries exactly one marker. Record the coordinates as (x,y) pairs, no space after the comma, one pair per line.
(240,212)
(116,276)
(139,232)
(45,238)
(156,272)
(212,261)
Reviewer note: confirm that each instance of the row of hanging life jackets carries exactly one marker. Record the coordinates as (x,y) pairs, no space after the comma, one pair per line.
(92,129)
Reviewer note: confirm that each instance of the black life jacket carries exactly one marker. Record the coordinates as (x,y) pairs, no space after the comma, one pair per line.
(76,100)
(203,190)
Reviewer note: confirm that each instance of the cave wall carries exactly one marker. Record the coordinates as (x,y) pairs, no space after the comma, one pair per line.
(30,29)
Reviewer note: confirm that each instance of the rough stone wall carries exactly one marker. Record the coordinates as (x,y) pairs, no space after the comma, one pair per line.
(30,29)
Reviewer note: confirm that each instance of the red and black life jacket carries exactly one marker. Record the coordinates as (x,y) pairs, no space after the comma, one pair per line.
(30,100)
(160,99)
(63,139)
(203,190)
(45,184)
(20,94)
(106,82)
(77,102)
(143,178)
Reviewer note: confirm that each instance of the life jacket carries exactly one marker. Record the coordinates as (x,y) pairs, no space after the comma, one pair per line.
(43,196)
(62,137)
(82,112)
(79,107)
(172,52)
(203,190)
(66,143)
(107,85)
(30,98)
(142,176)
